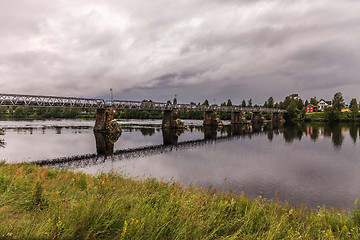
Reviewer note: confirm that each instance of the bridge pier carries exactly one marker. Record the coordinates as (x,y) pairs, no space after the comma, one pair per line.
(257,118)
(171,119)
(238,118)
(105,121)
(276,117)
(211,119)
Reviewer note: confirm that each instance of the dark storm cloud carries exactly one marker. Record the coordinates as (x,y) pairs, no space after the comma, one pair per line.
(194,49)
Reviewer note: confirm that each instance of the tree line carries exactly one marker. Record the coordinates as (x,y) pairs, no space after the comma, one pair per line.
(294,105)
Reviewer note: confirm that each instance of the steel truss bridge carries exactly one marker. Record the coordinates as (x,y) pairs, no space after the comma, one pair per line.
(72,102)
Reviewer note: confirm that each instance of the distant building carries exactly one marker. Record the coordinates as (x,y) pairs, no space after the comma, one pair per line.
(295,96)
(310,108)
(322,104)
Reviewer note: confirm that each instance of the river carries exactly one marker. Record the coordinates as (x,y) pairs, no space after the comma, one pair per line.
(313,163)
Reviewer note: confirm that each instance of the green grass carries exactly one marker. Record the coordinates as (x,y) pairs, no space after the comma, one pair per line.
(316,116)
(42,203)
(321,117)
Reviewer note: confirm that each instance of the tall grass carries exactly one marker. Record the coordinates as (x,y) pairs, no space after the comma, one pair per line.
(42,203)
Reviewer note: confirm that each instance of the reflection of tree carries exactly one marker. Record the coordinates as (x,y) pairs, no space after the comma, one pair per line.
(315,134)
(147,131)
(270,136)
(292,131)
(337,137)
(327,130)
(353,132)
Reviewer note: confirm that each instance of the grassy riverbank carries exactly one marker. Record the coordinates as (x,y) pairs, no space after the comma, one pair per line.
(40,203)
(340,117)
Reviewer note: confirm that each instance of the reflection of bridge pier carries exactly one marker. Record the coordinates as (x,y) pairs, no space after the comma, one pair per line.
(105,142)
(238,129)
(257,127)
(105,146)
(210,132)
(276,125)
(171,136)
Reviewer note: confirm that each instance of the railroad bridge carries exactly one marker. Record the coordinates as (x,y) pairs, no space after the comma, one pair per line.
(106,108)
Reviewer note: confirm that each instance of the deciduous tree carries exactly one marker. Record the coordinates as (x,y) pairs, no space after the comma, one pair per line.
(338,101)
(243,103)
(270,102)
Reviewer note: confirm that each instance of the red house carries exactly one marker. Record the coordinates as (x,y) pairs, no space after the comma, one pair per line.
(310,108)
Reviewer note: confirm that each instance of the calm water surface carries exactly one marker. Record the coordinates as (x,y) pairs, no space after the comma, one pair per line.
(312,163)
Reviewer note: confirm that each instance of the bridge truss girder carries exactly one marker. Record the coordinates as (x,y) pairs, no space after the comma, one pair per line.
(72,102)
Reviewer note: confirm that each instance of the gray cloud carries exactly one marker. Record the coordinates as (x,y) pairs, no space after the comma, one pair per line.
(195,49)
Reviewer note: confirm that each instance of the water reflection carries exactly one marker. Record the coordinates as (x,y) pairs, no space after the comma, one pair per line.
(353,132)
(2,142)
(171,136)
(336,132)
(147,131)
(105,142)
(210,132)
(314,162)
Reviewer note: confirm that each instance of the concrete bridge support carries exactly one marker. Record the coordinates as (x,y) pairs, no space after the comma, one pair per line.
(105,121)
(238,118)
(211,119)
(276,117)
(257,118)
(171,119)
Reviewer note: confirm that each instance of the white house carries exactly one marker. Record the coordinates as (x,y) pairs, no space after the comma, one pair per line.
(322,104)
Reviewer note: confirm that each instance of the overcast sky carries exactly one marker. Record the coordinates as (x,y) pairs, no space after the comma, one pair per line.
(195,49)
